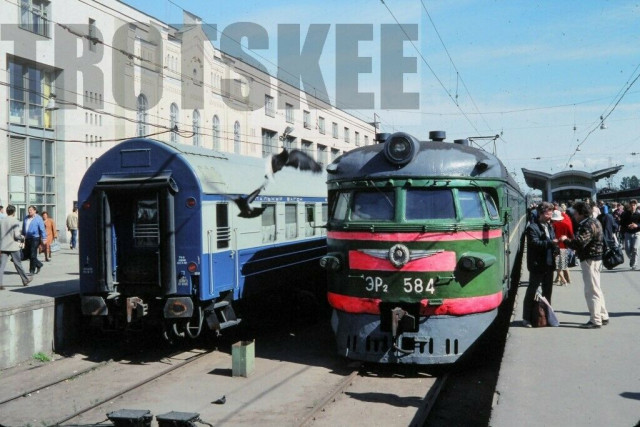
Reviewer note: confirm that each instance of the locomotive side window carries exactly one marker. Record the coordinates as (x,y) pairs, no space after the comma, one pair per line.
(491,206)
(430,204)
(269,223)
(339,206)
(470,204)
(291,221)
(146,231)
(368,205)
(223,231)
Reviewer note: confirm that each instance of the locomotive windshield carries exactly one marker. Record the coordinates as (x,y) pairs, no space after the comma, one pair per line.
(420,204)
(430,204)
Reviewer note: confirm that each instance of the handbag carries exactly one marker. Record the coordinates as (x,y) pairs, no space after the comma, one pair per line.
(538,314)
(612,257)
(552,319)
(571,258)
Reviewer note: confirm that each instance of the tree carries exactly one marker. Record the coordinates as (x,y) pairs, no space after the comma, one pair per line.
(629,182)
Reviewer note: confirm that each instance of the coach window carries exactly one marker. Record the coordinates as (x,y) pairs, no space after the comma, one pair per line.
(470,204)
(430,204)
(268,223)
(291,221)
(373,205)
(310,219)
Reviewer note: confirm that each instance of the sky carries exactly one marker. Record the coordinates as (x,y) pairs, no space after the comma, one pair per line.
(540,74)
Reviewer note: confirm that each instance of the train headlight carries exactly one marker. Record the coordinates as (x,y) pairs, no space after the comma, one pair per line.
(476,261)
(330,262)
(400,148)
(192,267)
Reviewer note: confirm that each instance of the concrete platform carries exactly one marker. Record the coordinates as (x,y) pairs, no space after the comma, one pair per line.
(40,317)
(568,376)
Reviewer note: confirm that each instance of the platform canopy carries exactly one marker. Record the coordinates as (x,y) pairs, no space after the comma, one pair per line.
(567,185)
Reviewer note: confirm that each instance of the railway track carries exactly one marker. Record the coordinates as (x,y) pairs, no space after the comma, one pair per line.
(298,381)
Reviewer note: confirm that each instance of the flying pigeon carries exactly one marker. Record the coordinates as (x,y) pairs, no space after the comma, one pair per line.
(243,203)
(294,158)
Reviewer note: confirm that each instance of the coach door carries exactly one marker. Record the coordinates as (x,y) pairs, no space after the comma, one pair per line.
(223,256)
(138,235)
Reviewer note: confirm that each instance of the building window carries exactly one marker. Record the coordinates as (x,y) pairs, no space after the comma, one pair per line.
(236,137)
(269,140)
(93,35)
(366,140)
(195,128)
(34,16)
(141,116)
(321,127)
(174,114)
(307,147)
(335,130)
(321,157)
(32,174)
(268,106)
(335,153)
(216,133)
(288,112)
(357,139)
(306,116)
(30,91)
(346,134)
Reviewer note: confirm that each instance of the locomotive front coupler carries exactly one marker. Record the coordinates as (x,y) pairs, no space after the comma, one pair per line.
(401,320)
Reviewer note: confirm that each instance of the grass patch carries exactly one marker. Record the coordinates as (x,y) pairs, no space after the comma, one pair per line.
(41,357)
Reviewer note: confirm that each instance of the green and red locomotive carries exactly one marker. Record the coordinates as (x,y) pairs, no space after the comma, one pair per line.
(422,245)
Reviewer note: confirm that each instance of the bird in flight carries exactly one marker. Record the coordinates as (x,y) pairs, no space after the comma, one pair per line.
(294,158)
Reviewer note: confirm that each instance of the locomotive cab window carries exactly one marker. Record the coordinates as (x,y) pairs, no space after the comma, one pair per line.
(470,204)
(339,205)
(491,206)
(373,205)
(429,204)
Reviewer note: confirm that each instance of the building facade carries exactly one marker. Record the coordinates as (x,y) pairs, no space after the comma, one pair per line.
(79,76)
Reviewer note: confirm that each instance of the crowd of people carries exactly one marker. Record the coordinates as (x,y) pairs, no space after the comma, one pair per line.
(559,234)
(25,240)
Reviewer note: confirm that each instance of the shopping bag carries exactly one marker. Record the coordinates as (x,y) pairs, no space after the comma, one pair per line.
(55,246)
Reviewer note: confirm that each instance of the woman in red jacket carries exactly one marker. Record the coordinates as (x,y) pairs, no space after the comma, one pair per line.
(563,227)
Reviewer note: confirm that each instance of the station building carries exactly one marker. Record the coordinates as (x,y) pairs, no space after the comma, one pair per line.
(567,185)
(80,76)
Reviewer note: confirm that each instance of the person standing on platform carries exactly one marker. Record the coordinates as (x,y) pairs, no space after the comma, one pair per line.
(10,239)
(52,234)
(630,224)
(2,213)
(72,226)
(561,226)
(34,234)
(541,247)
(589,244)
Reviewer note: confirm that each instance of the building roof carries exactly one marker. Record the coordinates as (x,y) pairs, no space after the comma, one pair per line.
(538,180)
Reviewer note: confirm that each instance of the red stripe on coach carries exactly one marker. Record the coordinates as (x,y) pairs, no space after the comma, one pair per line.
(443,261)
(415,237)
(452,306)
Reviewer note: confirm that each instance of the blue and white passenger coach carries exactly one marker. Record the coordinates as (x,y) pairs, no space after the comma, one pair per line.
(161,242)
